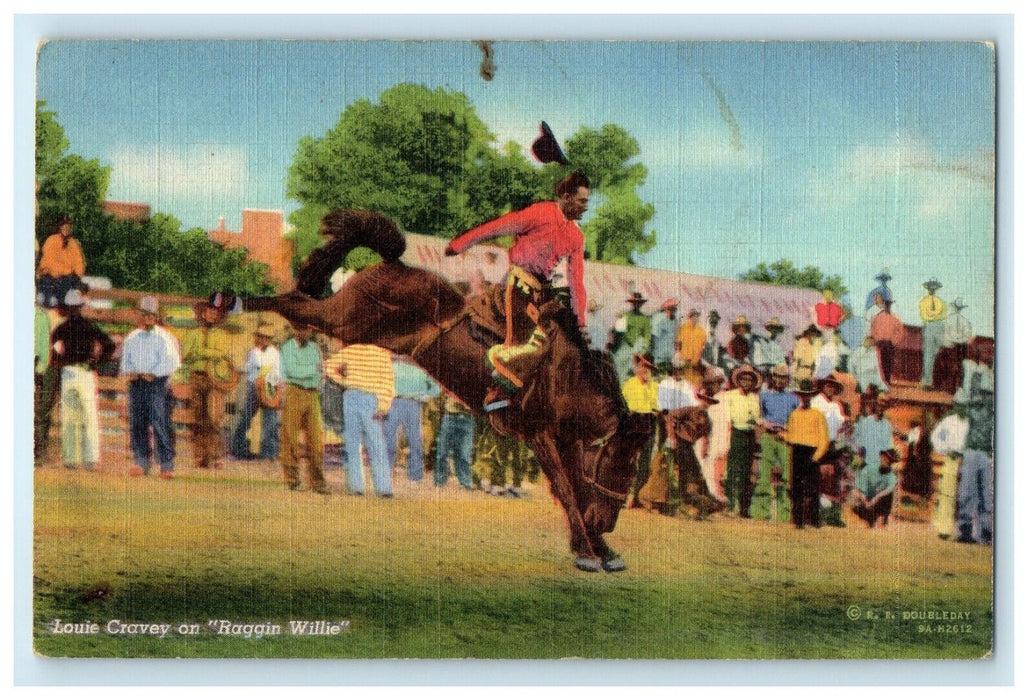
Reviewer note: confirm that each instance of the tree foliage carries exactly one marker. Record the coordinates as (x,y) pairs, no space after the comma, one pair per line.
(153,255)
(424,158)
(617,229)
(783,272)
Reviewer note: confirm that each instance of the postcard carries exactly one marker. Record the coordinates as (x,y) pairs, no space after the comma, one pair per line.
(524,349)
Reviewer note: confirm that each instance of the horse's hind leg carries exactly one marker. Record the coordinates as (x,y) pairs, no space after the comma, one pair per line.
(553,467)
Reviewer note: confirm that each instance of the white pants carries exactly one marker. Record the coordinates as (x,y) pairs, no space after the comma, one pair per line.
(80,431)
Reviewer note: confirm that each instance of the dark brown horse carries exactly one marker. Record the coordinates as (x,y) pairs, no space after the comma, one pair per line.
(571,412)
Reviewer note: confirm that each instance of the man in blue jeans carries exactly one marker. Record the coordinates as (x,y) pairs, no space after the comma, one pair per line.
(149,355)
(456,440)
(413,387)
(365,371)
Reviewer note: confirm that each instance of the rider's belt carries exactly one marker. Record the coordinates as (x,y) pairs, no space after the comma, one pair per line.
(524,280)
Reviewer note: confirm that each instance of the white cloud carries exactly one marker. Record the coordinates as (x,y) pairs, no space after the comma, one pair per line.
(198,173)
(932,185)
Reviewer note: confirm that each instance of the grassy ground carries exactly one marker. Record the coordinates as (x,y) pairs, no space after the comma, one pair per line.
(443,573)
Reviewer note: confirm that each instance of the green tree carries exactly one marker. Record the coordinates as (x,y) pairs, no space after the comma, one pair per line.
(412,157)
(783,272)
(424,158)
(68,183)
(618,227)
(153,255)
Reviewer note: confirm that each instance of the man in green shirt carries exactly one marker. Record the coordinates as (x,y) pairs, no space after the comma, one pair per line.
(632,336)
(301,368)
(208,354)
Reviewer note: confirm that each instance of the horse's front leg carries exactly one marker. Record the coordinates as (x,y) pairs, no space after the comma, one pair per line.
(553,467)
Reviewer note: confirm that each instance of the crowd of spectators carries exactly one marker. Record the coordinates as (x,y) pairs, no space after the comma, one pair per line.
(798,427)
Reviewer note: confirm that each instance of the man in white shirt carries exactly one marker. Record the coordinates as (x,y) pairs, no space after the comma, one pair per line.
(150,354)
(826,402)
(948,438)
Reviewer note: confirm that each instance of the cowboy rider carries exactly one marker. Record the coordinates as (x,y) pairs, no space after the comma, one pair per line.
(547,254)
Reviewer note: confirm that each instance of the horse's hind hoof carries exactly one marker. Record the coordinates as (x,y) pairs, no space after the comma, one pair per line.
(590,564)
(614,564)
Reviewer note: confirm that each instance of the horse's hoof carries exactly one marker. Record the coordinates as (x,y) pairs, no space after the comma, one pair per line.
(590,564)
(615,563)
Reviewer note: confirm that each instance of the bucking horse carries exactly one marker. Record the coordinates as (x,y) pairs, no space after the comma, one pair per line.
(571,412)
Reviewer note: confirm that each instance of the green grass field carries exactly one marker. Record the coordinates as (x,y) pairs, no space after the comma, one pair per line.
(442,573)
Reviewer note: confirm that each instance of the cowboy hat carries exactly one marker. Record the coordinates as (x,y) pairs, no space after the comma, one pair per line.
(883,276)
(780,370)
(958,304)
(932,284)
(706,400)
(830,380)
(148,305)
(693,312)
(813,329)
(592,305)
(74,297)
(546,149)
(746,370)
(636,298)
(670,303)
(265,329)
(740,321)
(774,322)
(806,388)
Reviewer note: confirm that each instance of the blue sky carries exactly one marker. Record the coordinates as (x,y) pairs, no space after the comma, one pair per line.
(850,156)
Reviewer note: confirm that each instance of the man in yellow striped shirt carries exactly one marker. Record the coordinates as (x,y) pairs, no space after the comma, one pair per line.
(808,439)
(365,372)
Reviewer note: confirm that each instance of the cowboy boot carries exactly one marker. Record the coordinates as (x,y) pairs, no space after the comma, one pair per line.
(505,361)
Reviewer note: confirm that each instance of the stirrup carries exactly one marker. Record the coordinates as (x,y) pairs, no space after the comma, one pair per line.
(493,400)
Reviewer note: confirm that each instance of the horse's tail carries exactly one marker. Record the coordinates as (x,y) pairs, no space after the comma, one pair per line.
(349,229)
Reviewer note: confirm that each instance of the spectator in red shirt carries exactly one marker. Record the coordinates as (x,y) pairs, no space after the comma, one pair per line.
(545,257)
(829,313)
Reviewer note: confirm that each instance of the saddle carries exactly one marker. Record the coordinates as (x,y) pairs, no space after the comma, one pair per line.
(488,316)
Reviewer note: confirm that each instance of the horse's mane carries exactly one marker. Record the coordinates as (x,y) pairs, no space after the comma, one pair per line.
(596,366)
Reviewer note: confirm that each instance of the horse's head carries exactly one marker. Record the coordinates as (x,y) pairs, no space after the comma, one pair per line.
(609,470)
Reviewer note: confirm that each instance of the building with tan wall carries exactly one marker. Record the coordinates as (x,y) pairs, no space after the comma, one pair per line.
(262,235)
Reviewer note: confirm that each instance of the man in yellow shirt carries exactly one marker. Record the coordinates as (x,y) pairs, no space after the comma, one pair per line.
(932,314)
(61,264)
(641,396)
(808,439)
(208,354)
(742,406)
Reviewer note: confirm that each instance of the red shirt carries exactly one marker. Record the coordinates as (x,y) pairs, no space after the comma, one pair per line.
(542,237)
(829,314)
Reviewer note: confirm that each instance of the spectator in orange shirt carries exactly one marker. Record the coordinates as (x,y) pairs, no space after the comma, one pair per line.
(61,264)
